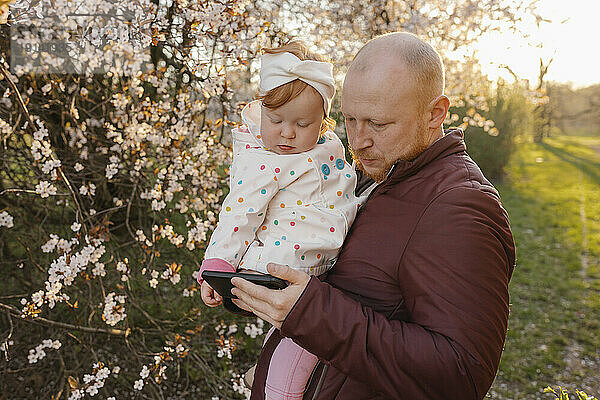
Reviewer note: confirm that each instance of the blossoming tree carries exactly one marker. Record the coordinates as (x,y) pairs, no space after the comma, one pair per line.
(112,116)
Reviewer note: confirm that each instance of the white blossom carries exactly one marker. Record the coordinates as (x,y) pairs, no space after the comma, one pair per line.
(114,309)
(45,189)
(50,244)
(144,372)
(138,385)
(6,219)
(38,353)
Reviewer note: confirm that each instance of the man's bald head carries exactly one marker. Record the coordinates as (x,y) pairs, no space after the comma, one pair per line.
(422,64)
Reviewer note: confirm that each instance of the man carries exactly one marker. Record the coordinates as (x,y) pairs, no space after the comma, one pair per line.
(416,306)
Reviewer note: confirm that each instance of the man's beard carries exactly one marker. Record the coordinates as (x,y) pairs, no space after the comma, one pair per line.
(380,174)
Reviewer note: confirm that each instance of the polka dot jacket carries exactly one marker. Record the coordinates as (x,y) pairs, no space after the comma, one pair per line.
(292,209)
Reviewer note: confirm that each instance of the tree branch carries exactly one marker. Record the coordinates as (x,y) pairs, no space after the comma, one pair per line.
(44,321)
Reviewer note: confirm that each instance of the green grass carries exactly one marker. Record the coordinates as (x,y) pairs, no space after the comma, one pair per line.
(552,194)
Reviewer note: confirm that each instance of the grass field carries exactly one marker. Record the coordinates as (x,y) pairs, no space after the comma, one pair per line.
(552,194)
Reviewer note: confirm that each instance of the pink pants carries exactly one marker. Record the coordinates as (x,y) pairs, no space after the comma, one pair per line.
(289,371)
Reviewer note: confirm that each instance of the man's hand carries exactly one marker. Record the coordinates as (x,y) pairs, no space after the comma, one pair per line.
(271,305)
(209,296)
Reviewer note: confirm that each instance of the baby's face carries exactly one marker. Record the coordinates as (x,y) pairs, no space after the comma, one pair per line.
(294,127)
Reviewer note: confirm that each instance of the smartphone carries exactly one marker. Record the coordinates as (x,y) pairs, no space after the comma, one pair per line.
(221,282)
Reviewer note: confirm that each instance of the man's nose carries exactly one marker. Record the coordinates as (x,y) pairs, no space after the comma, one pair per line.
(288,131)
(359,137)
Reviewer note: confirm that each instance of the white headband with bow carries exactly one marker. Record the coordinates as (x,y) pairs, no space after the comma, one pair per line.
(281,68)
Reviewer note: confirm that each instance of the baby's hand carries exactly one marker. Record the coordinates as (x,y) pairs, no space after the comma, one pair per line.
(209,296)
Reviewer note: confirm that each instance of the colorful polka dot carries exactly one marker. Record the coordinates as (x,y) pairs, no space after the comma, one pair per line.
(277,243)
(262,167)
(309,159)
(339,192)
(299,202)
(240,182)
(331,158)
(260,215)
(263,191)
(339,163)
(331,206)
(227,208)
(282,205)
(264,228)
(274,178)
(302,257)
(277,170)
(236,229)
(246,242)
(318,256)
(251,209)
(347,175)
(332,229)
(292,223)
(297,246)
(284,238)
(302,217)
(321,140)
(241,200)
(292,172)
(247,146)
(258,136)
(325,169)
(276,222)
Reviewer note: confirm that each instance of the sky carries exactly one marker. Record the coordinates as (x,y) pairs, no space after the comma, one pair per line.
(574,45)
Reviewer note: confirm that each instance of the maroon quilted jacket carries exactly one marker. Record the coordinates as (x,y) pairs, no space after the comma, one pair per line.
(416,306)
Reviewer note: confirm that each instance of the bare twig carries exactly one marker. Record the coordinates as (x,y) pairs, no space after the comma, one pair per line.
(14,296)
(44,321)
(140,309)
(18,191)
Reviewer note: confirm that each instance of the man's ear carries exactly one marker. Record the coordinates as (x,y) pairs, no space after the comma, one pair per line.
(438,109)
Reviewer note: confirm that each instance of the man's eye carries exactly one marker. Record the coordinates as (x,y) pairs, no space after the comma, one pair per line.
(303,125)
(275,121)
(349,119)
(376,125)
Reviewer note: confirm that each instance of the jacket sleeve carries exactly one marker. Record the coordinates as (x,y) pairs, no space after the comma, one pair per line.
(454,277)
(252,186)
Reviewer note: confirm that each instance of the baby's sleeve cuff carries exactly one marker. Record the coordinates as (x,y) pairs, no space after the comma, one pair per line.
(214,264)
